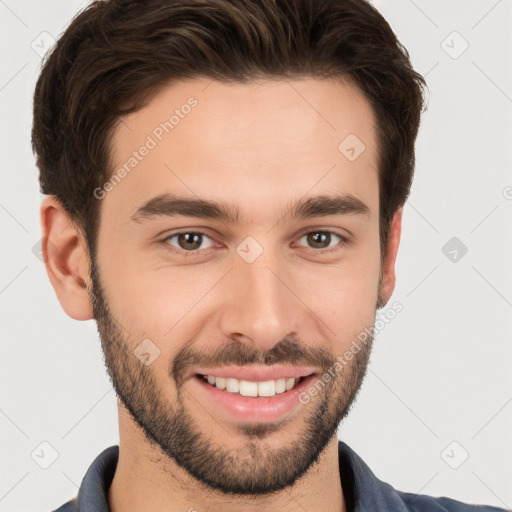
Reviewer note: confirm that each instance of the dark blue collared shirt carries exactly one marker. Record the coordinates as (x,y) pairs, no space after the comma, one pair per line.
(362,490)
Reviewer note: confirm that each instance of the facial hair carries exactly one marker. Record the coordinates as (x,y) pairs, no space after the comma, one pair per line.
(254,468)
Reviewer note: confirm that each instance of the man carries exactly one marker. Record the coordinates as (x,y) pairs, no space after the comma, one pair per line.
(225,187)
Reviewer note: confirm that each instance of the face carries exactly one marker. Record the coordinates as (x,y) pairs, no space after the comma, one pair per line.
(243,245)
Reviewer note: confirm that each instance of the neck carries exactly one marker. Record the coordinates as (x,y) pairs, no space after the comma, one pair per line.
(145,479)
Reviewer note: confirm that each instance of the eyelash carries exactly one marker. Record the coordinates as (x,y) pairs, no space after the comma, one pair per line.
(199,252)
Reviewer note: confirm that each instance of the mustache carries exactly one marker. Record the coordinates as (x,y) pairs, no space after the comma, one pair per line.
(287,351)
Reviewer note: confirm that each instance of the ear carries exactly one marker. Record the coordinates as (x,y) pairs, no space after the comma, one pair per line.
(388,277)
(66,259)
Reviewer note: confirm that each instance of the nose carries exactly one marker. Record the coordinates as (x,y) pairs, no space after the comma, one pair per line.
(260,307)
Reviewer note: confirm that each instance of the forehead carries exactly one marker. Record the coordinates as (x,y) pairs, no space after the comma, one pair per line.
(268,141)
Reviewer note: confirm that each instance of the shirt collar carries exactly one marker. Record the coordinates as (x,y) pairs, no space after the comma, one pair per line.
(363,491)
(93,493)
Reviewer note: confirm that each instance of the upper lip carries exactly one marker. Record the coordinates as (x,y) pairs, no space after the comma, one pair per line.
(255,373)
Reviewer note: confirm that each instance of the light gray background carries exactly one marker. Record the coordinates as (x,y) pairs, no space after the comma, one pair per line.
(440,370)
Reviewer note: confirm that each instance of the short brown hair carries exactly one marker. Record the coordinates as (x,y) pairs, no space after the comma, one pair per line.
(116,53)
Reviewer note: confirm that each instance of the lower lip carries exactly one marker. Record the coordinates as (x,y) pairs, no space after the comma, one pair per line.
(255,409)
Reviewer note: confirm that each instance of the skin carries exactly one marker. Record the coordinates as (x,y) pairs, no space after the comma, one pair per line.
(259,146)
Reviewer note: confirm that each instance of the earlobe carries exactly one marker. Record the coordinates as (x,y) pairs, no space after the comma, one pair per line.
(388,263)
(66,259)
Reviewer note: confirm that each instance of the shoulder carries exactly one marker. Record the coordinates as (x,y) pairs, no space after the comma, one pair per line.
(366,493)
(422,502)
(69,506)
(93,492)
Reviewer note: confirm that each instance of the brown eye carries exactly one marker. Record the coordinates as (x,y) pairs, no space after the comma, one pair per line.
(188,240)
(322,239)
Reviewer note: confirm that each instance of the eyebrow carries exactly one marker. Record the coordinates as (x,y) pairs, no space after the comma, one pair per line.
(170,205)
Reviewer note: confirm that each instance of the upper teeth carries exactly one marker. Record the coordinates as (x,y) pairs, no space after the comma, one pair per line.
(249,388)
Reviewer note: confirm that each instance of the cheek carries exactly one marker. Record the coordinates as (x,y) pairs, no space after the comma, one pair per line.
(345,296)
(164,304)
(347,302)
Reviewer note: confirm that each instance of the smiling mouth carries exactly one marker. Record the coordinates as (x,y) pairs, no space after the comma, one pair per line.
(254,389)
